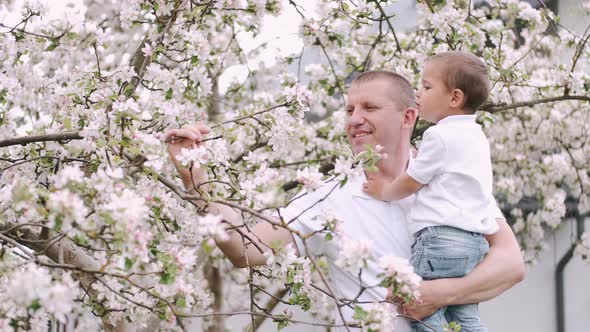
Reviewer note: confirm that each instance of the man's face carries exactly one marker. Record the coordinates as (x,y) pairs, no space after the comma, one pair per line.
(434,96)
(372,116)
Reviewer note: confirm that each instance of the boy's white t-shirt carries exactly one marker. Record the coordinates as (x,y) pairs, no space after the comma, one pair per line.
(454,165)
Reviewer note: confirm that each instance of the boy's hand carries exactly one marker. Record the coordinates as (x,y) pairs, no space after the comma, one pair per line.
(377,188)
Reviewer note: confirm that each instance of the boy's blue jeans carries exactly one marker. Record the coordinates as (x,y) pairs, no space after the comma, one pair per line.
(448,252)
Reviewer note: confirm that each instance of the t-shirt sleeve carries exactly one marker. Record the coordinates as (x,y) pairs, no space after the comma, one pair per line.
(496,213)
(304,215)
(431,158)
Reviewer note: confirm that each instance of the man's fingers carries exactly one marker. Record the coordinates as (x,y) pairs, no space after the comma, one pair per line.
(176,135)
(169,134)
(202,128)
(194,130)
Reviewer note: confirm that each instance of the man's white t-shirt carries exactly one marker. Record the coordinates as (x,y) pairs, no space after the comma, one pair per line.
(364,218)
(454,165)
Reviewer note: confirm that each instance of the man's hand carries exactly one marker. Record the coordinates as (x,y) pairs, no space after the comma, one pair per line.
(187,137)
(430,300)
(377,188)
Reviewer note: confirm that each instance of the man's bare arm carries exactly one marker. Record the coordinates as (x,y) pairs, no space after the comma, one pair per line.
(502,268)
(244,247)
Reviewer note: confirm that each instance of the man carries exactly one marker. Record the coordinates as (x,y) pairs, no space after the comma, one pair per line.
(380,110)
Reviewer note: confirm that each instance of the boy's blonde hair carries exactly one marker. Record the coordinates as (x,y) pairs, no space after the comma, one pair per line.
(468,73)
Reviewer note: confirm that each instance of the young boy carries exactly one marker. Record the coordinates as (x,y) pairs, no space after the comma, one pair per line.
(452,179)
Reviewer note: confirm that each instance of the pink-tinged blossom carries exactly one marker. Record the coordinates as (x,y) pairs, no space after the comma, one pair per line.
(583,247)
(150,147)
(59,298)
(401,274)
(310,178)
(212,225)
(68,174)
(65,208)
(354,255)
(200,77)
(34,283)
(126,106)
(147,50)
(381,317)
(196,156)
(284,262)
(198,42)
(36,6)
(528,13)
(298,94)
(344,166)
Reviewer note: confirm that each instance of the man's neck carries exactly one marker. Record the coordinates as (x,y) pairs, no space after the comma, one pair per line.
(396,162)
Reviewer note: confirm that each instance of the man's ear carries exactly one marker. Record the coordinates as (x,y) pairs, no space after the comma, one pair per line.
(457,99)
(410,116)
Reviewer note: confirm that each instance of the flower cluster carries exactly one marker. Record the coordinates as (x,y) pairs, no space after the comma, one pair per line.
(399,275)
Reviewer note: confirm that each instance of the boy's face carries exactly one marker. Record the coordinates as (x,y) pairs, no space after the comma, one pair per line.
(433,97)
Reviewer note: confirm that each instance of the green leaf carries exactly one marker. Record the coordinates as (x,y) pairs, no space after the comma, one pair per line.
(206,247)
(181,302)
(344,181)
(35,305)
(282,321)
(54,44)
(167,278)
(58,224)
(68,123)
(276,245)
(169,94)
(128,263)
(359,313)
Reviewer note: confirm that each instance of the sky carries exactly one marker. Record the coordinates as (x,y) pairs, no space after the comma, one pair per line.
(281,33)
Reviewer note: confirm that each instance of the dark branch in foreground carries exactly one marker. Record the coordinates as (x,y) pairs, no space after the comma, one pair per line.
(40,138)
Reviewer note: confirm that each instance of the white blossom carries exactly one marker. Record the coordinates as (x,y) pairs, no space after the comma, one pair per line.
(196,156)
(310,178)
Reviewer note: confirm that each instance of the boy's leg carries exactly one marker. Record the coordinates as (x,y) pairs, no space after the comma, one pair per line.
(467,315)
(433,323)
(447,252)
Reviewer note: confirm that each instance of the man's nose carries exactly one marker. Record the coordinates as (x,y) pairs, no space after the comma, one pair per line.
(356,118)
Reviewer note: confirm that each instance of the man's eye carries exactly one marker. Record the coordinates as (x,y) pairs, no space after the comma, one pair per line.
(349,110)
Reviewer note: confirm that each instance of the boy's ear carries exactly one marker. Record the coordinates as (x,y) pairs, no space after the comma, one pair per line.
(457,99)
(409,117)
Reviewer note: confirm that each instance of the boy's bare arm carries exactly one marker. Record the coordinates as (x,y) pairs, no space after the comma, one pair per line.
(401,187)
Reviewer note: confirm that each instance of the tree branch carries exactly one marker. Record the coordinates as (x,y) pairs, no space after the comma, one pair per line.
(494,108)
(23,140)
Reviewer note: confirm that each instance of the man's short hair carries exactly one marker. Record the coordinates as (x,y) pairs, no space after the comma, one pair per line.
(466,72)
(402,92)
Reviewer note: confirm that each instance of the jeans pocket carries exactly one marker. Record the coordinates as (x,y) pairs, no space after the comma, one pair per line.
(435,267)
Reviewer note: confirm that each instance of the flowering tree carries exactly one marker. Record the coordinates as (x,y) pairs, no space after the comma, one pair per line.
(97,232)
